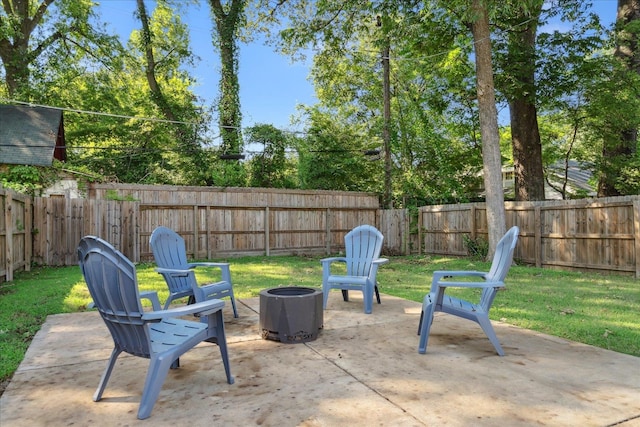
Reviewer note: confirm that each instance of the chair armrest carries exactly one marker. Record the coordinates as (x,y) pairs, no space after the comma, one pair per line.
(447,284)
(202,308)
(153,297)
(333,259)
(223,266)
(439,275)
(380,261)
(173,271)
(208,264)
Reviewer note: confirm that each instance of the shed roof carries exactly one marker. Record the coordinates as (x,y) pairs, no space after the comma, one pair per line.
(31,135)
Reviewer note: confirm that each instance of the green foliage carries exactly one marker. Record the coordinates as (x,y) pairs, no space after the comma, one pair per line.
(228,173)
(27,179)
(477,248)
(331,157)
(126,147)
(613,117)
(270,167)
(113,195)
(228,19)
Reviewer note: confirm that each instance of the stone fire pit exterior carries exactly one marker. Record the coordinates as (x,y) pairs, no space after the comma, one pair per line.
(291,314)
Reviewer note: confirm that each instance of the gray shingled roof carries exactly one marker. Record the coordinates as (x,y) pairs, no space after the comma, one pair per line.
(28,135)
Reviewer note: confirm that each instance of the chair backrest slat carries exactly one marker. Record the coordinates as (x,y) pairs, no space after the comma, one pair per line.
(502,260)
(363,244)
(169,251)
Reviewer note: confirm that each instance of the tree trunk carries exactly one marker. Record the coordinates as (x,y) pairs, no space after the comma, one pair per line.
(229,107)
(488,125)
(150,70)
(527,150)
(386,134)
(525,134)
(615,155)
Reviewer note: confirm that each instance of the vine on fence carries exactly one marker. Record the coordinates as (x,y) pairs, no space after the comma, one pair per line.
(477,248)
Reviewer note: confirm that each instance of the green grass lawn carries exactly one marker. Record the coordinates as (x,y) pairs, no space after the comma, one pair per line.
(594,309)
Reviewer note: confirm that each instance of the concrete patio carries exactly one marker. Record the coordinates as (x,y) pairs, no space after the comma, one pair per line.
(362,370)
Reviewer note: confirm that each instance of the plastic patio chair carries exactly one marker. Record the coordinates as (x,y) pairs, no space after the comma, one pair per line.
(490,282)
(171,257)
(158,335)
(363,245)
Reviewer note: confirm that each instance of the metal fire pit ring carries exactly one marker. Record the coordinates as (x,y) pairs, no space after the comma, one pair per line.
(291,314)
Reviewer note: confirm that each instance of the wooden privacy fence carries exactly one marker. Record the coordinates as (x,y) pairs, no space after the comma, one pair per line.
(587,234)
(15,233)
(214,222)
(595,234)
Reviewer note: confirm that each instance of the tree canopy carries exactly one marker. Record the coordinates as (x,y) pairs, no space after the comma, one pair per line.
(400,98)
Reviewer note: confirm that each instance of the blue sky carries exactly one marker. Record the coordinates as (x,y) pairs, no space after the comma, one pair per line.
(271,85)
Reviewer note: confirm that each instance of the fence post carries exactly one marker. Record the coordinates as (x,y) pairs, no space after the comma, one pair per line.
(328,232)
(8,221)
(419,231)
(473,223)
(266,230)
(196,234)
(537,246)
(28,233)
(636,233)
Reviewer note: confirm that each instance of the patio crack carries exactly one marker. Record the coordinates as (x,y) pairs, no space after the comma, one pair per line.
(636,417)
(309,346)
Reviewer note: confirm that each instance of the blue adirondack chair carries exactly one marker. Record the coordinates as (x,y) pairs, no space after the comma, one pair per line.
(158,335)
(171,257)
(490,282)
(363,245)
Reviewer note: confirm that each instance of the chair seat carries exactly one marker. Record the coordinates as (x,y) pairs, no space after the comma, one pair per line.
(457,304)
(219,289)
(172,332)
(355,280)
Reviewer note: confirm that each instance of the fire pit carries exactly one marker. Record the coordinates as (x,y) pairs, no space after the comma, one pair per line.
(291,314)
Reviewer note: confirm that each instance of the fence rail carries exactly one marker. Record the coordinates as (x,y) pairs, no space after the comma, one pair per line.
(590,234)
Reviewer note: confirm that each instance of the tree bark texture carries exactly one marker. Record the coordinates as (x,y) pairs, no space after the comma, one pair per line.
(488,125)
(525,134)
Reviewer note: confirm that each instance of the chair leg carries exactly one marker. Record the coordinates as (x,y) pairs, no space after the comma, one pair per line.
(426,319)
(345,295)
(106,374)
(485,324)
(325,296)
(157,373)
(367,292)
(233,304)
(377,294)
(217,335)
